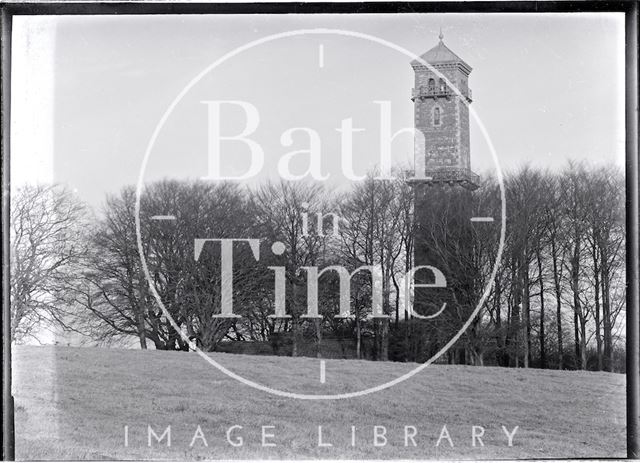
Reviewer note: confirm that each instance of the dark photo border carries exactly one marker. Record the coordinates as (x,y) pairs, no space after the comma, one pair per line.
(630,8)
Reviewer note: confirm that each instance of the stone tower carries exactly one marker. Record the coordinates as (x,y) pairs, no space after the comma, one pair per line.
(443,195)
(443,117)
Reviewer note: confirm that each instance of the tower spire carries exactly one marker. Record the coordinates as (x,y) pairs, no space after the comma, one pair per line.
(441,35)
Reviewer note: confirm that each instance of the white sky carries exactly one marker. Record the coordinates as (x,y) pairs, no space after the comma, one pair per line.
(88,91)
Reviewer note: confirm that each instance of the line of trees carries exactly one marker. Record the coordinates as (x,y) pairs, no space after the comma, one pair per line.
(557,299)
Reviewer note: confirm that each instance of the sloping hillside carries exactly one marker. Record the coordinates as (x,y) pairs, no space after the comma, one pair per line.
(74,403)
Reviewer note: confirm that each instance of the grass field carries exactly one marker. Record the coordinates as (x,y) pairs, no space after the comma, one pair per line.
(73,403)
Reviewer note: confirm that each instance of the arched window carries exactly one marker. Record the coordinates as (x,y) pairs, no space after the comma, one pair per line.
(436,116)
(443,86)
(432,85)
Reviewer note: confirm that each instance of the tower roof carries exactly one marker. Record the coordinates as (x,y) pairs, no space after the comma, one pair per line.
(441,54)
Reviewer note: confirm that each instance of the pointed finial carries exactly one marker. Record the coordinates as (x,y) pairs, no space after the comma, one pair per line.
(441,36)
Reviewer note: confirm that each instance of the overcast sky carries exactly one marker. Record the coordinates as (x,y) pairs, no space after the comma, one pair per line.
(88,92)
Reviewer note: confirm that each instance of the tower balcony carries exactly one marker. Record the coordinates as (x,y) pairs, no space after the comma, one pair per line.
(448,176)
(431,92)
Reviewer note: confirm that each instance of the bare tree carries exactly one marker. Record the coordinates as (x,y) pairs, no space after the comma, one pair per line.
(575,183)
(525,227)
(605,218)
(378,231)
(565,245)
(47,224)
(286,212)
(555,226)
(116,290)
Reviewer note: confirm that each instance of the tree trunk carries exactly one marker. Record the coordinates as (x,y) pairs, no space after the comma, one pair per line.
(295,320)
(397,303)
(526,331)
(527,317)
(142,334)
(576,335)
(515,316)
(558,291)
(384,339)
(606,310)
(294,336)
(358,338)
(596,275)
(583,343)
(543,351)
(575,275)
(407,301)
(498,322)
(318,326)
(143,339)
